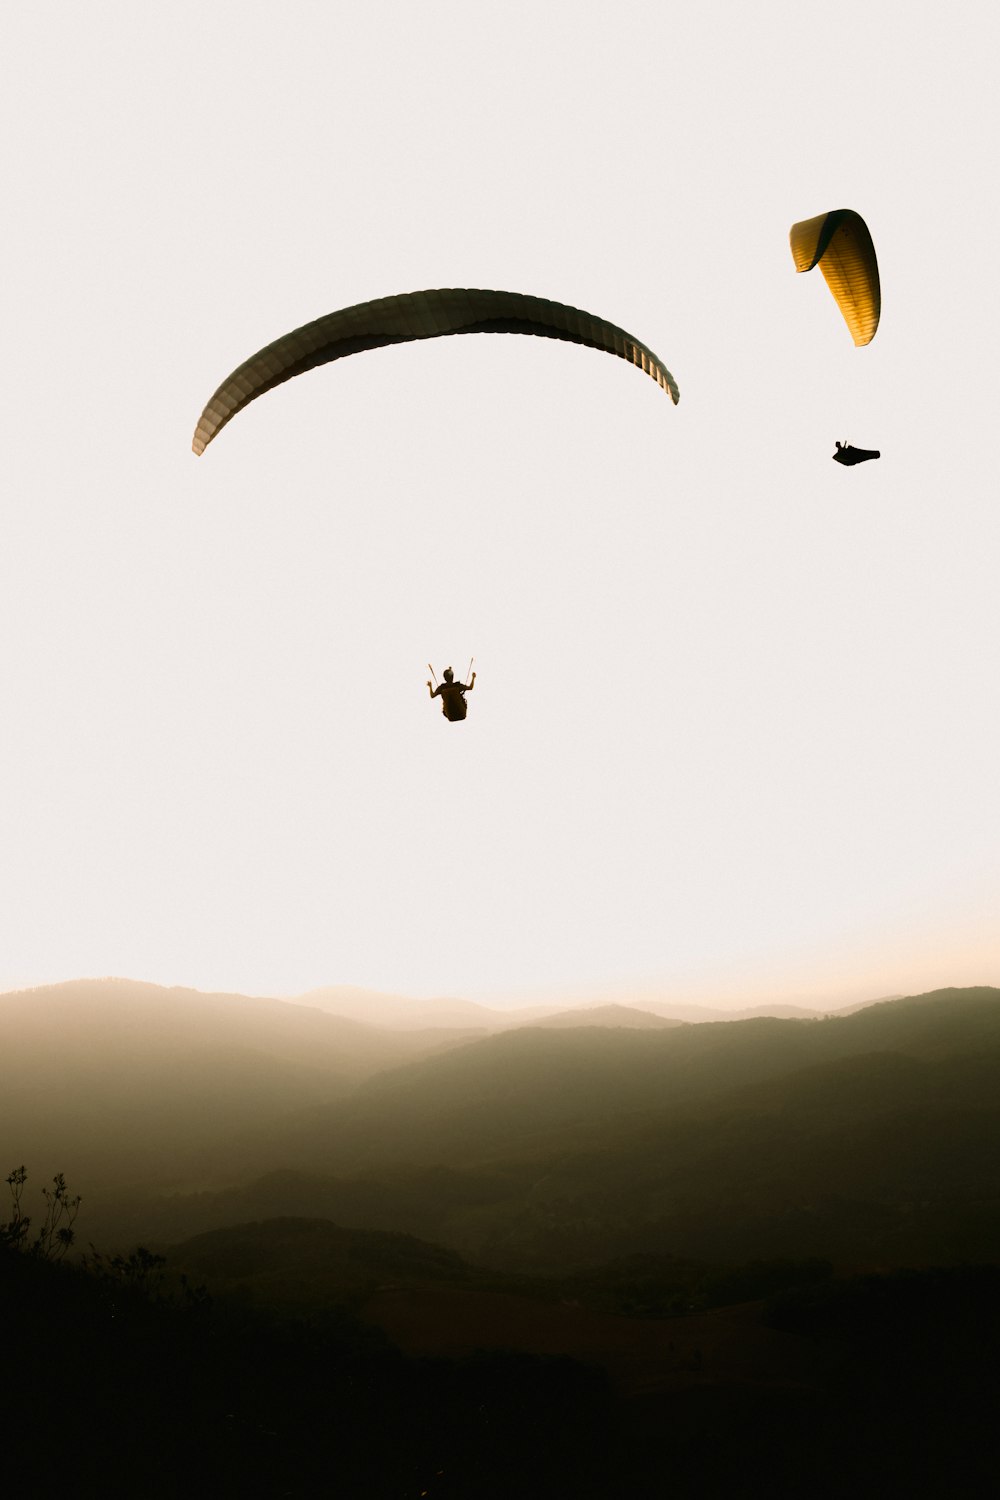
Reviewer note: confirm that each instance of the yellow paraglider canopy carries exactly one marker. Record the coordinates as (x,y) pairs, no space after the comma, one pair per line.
(840,244)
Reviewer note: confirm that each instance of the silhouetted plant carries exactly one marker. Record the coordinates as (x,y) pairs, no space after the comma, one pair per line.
(139,1271)
(55,1235)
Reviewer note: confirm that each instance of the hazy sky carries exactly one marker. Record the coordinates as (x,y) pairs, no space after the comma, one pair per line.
(736,727)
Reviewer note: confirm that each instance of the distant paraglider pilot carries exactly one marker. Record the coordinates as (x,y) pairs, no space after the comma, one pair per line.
(452,695)
(845,454)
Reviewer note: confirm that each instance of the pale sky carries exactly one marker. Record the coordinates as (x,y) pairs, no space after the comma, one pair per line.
(735,732)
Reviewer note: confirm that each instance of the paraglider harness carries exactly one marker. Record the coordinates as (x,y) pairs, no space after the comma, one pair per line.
(452,694)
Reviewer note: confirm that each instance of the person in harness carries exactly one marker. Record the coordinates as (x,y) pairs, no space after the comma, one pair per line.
(452,695)
(845,454)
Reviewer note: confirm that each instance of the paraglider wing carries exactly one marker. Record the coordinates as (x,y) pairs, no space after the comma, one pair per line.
(416,315)
(840,244)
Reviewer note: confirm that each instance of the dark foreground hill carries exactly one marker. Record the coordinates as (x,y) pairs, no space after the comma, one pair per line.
(868,1387)
(119,1393)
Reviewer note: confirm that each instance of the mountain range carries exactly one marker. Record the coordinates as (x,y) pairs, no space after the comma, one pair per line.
(870,1136)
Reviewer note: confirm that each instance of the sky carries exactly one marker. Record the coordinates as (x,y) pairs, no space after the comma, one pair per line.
(735,729)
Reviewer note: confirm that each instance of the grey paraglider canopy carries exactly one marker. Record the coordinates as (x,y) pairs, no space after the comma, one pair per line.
(416,315)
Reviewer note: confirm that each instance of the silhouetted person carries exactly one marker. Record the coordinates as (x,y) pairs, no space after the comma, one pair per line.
(453,704)
(845,454)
